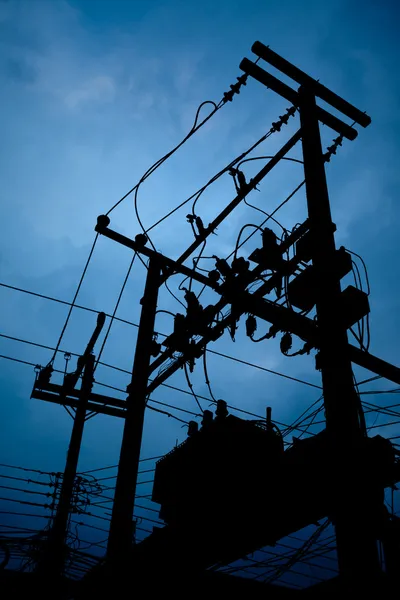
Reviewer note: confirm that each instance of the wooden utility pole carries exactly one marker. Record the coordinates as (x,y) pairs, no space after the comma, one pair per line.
(121,526)
(53,560)
(354,502)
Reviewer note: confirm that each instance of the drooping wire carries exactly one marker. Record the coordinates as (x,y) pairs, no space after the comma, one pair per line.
(172,387)
(172,294)
(161,160)
(74,299)
(206,376)
(269,217)
(227,168)
(164,412)
(297,555)
(365,269)
(300,418)
(196,262)
(196,195)
(191,387)
(237,246)
(264,213)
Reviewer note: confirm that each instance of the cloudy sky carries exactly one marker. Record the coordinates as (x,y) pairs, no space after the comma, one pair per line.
(93,93)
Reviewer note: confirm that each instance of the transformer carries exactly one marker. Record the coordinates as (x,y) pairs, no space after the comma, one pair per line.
(217,471)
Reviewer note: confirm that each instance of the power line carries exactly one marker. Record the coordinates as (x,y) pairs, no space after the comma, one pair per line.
(26,502)
(244,362)
(191,387)
(7,487)
(159,333)
(160,161)
(26,480)
(25,469)
(268,217)
(115,466)
(75,297)
(18,514)
(115,310)
(44,297)
(246,412)
(164,384)
(146,175)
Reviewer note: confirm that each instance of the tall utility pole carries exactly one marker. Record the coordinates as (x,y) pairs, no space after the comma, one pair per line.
(52,563)
(353,501)
(121,526)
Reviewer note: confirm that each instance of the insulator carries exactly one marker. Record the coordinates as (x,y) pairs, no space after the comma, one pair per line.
(213,275)
(269,239)
(241,179)
(200,225)
(193,428)
(222,266)
(251,325)
(207,419)
(192,301)
(286,343)
(44,376)
(240,265)
(102,222)
(141,239)
(222,410)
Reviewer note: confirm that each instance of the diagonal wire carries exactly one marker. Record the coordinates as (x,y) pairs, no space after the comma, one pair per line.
(74,299)
(191,387)
(115,310)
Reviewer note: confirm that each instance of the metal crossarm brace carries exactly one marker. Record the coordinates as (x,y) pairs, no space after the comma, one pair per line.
(292,96)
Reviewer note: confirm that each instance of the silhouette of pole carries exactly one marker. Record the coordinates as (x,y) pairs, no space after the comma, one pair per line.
(121,526)
(53,560)
(354,501)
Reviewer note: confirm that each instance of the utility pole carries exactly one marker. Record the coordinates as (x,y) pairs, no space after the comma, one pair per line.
(354,502)
(52,563)
(342,418)
(121,526)
(355,499)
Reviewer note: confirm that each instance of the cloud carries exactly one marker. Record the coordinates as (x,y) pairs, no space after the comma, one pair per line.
(101,89)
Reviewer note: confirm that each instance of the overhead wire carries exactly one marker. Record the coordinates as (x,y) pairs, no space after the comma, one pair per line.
(191,387)
(115,311)
(270,215)
(327,157)
(178,389)
(215,352)
(256,227)
(196,126)
(206,376)
(267,370)
(134,325)
(74,299)
(196,195)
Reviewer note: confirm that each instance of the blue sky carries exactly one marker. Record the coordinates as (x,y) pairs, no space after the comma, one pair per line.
(93,93)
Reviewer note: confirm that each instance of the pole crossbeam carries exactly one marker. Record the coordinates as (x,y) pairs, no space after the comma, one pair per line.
(279,316)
